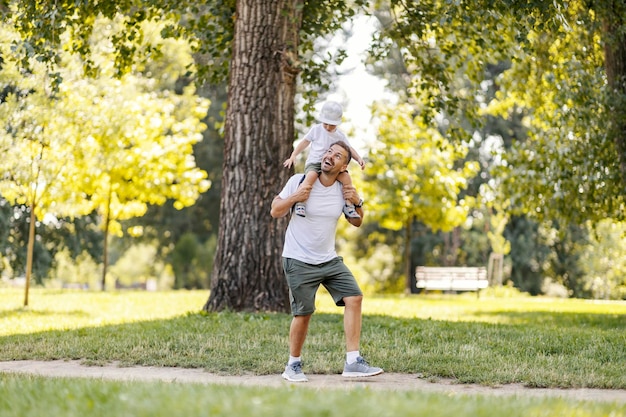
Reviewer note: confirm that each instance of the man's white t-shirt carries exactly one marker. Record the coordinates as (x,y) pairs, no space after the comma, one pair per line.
(321,139)
(311,239)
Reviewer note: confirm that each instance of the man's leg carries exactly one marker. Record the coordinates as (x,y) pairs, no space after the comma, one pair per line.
(355,365)
(352,322)
(297,334)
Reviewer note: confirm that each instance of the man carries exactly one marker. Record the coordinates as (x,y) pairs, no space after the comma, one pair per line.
(310,259)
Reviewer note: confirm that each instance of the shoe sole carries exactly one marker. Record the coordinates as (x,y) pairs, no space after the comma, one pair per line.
(360,374)
(288,378)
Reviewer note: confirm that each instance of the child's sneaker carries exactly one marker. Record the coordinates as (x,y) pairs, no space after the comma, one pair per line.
(300,209)
(350,211)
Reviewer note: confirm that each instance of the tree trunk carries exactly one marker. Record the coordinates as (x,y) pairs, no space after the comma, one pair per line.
(614,38)
(408,236)
(30,252)
(105,248)
(259,132)
(105,252)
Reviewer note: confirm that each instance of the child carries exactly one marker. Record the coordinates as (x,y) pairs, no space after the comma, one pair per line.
(320,137)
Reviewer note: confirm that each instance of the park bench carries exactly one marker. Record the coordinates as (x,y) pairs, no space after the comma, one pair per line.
(450,278)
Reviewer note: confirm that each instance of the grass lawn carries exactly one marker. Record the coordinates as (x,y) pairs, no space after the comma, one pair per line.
(496,339)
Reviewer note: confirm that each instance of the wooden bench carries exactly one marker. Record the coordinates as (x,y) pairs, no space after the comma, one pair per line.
(452,278)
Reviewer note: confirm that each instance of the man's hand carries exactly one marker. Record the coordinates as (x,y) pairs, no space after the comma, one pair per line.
(350,194)
(281,207)
(302,193)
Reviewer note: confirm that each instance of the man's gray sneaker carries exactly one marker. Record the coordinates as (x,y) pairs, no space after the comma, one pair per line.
(360,368)
(294,373)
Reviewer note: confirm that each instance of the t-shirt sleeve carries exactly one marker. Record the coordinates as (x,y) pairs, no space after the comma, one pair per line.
(312,134)
(290,187)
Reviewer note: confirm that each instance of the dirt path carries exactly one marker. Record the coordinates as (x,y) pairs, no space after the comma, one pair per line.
(386,381)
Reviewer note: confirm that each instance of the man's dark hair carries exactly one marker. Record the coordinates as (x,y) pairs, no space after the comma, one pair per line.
(346,147)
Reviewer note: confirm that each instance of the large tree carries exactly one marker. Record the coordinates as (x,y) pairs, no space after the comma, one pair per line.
(259,129)
(264,68)
(415,174)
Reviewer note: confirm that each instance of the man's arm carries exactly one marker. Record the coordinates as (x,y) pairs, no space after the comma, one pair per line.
(280,207)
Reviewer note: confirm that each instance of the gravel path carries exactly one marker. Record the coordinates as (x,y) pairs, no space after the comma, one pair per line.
(385,381)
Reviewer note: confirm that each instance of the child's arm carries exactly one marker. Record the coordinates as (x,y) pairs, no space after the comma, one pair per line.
(301,146)
(357,157)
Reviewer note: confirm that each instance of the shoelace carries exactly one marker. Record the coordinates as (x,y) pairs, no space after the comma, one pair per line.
(297,367)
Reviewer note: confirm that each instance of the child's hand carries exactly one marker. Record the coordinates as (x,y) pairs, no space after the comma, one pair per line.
(362,164)
(288,163)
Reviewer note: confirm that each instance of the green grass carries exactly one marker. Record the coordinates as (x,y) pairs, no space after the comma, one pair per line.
(36,396)
(492,340)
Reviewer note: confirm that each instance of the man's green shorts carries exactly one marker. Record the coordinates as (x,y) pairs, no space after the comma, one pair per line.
(304,280)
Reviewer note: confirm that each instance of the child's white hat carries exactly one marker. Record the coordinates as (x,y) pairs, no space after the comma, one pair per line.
(331,113)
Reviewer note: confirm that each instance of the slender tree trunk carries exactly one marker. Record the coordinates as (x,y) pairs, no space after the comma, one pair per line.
(105,248)
(408,271)
(247,274)
(30,253)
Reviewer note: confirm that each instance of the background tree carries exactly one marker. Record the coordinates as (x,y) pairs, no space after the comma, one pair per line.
(413,174)
(131,146)
(38,160)
(141,145)
(566,71)
(554,60)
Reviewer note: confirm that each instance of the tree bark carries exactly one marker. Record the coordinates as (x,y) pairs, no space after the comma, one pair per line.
(259,132)
(614,23)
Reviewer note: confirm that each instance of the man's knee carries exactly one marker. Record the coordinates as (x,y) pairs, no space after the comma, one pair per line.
(353,301)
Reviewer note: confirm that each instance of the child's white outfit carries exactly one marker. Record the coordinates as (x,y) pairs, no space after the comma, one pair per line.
(321,139)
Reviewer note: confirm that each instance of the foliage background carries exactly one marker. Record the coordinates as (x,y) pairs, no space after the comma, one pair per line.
(513,95)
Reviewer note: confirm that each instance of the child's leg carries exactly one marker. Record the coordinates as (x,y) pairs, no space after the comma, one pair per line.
(309,179)
(344,178)
(349,210)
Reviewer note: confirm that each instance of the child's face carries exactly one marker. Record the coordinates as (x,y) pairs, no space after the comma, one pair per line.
(329,128)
